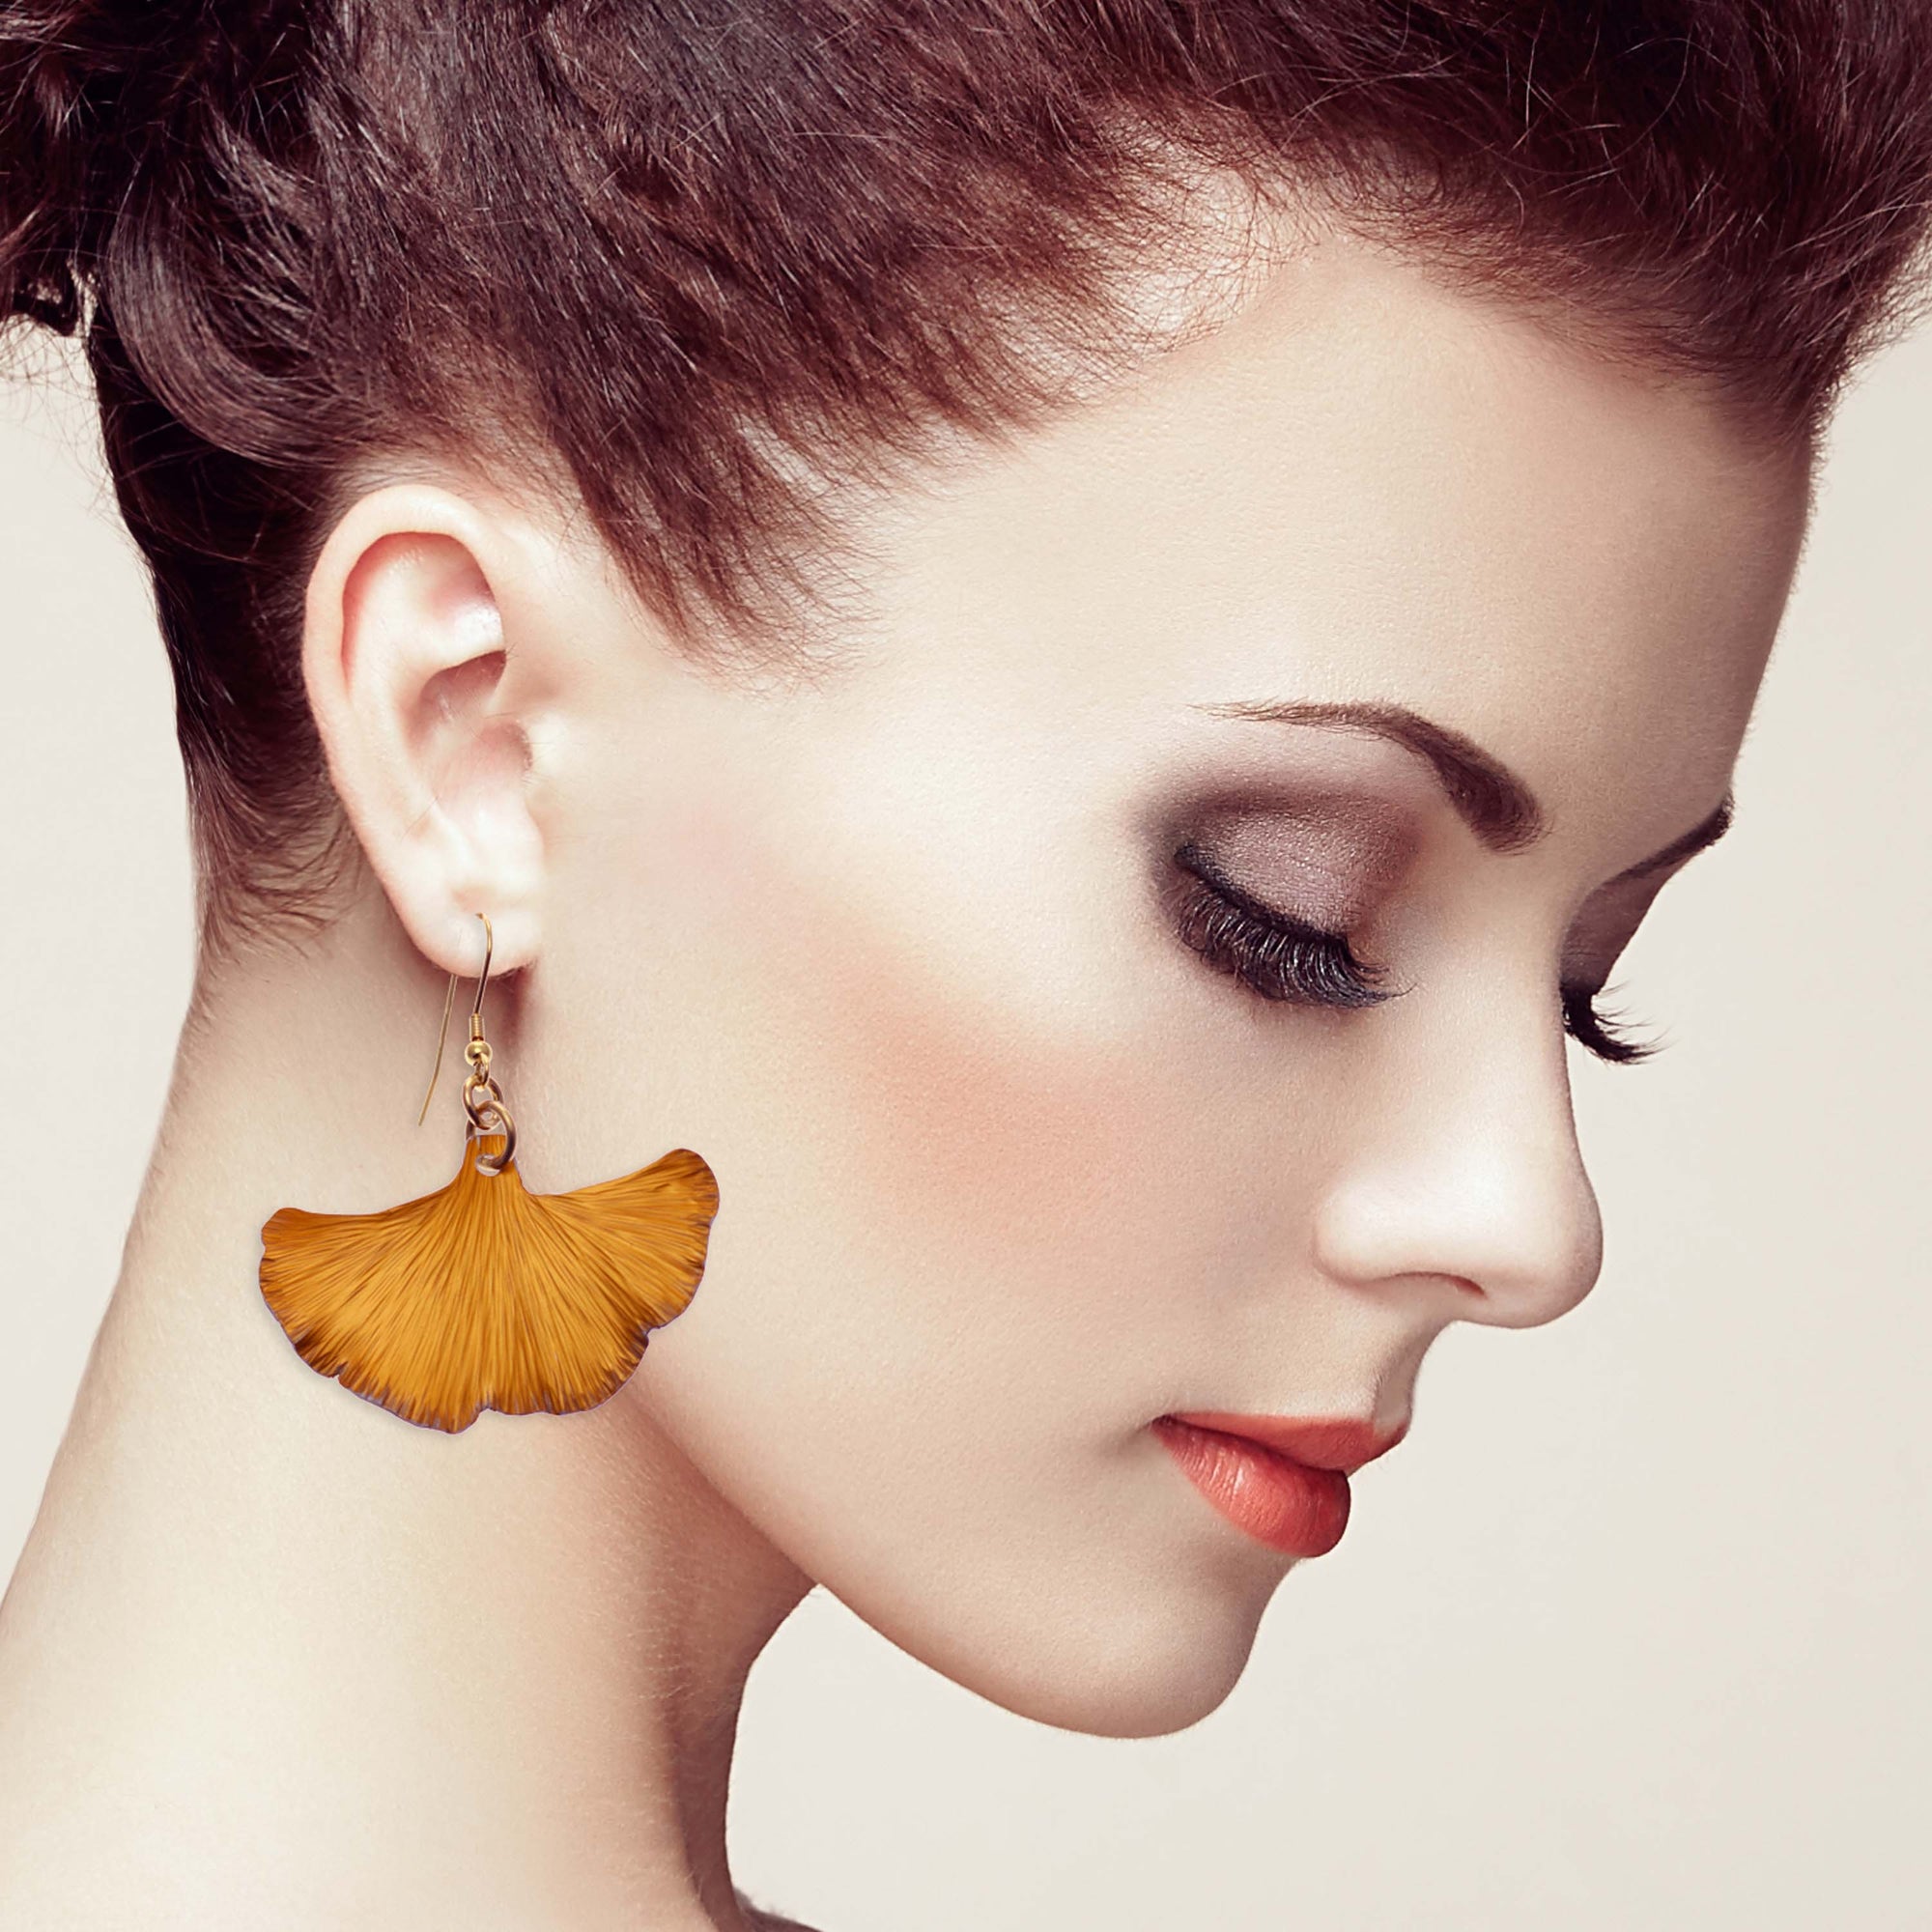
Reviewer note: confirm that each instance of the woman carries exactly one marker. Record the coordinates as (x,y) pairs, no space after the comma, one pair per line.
(1056,645)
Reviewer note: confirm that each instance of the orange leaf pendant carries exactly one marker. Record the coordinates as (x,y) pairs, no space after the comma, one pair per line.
(485,1296)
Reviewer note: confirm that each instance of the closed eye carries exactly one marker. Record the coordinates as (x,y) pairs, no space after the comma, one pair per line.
(1274,955)
(1292,960)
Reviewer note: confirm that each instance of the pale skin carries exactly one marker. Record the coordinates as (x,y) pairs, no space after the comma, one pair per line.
(1006,1170)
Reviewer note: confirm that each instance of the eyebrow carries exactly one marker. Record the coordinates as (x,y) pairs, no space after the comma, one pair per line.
(1489,798)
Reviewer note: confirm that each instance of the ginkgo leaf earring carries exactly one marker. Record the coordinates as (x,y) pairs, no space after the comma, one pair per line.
(483,1294)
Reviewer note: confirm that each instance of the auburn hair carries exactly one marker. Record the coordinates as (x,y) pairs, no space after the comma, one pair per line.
(689,259)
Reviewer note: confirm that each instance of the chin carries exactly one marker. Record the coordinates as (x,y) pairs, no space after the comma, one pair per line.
(1141,1667)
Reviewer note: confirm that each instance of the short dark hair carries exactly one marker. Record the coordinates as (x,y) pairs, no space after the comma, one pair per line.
(688,256)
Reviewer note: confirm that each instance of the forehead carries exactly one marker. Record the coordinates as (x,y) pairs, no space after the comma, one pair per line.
(1370,485)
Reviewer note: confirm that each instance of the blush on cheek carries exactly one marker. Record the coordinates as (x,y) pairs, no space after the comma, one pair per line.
(963,1139)
(993,1139)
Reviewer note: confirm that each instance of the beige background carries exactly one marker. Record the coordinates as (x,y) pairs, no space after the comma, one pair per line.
(1630,1632)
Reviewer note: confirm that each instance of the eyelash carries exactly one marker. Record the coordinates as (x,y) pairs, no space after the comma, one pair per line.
(1599,1031)
(1281,959)
(1289,959)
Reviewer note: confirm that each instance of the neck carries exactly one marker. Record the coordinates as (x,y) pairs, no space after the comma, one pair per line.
(295,1635)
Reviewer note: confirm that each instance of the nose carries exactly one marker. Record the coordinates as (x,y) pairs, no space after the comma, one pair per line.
(1468,1173)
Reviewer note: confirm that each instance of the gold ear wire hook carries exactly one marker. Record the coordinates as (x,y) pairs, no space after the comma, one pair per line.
(475,1013)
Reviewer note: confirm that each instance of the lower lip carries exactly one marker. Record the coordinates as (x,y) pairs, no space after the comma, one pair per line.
(1284,1504)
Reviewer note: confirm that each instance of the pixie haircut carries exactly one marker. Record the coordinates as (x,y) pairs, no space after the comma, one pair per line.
(694,262)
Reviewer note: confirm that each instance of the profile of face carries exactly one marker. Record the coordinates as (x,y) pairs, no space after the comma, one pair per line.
(1136,984)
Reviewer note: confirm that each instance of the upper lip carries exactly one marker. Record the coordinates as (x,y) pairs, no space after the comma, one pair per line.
(1321,1442)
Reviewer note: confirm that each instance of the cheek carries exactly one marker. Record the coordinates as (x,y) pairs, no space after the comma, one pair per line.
(994,1171)
(1029,1153)
(980,1127)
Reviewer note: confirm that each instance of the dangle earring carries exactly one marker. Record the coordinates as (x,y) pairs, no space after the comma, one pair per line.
(482,1294)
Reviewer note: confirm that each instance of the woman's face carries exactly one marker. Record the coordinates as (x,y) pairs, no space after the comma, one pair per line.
(1025,1140)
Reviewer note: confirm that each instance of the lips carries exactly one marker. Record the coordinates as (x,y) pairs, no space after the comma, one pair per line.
(1321,1442)
(1283,1480)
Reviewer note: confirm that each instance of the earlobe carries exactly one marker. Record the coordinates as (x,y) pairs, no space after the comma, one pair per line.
(404,656)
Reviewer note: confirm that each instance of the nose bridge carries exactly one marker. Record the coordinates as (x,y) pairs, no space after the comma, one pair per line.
(1467,1169)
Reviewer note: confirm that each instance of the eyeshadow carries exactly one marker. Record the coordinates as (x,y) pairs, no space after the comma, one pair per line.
(1325,859)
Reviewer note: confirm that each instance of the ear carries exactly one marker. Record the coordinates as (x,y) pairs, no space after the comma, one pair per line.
(407,668)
